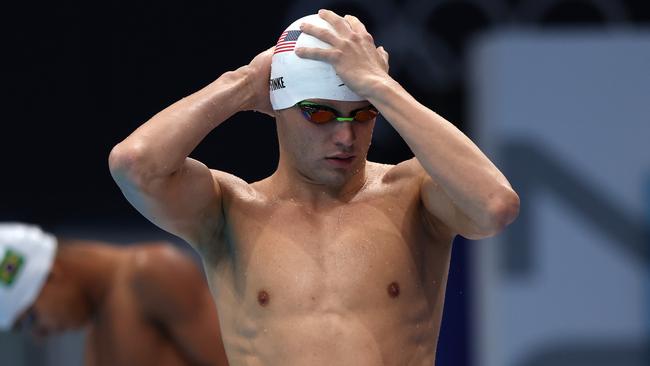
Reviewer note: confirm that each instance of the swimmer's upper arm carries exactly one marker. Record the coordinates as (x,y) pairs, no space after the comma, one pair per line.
(441,210)
(187,203)
(173,294)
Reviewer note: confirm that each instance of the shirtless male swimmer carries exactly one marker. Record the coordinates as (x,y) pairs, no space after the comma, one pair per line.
(141,305)
(331,260)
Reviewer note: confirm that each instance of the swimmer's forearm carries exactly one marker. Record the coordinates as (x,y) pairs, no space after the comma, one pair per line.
(467,176)
(160,146)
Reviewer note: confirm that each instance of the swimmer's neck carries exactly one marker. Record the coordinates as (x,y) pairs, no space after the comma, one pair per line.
(289,183)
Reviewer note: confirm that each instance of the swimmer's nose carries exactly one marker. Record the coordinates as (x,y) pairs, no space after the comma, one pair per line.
(344,135)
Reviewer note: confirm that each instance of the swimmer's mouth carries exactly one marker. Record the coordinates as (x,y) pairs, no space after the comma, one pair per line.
(341,160)
(341,157)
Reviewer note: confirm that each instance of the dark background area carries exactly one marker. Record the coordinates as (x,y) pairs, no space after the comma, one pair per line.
(80,76)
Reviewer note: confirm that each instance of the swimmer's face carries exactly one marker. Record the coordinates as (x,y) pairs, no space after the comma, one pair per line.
(329,153)
(60,306)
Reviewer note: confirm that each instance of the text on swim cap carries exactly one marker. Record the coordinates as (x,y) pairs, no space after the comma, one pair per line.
(277,83)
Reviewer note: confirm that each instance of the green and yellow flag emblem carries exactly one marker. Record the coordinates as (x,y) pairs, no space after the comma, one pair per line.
(10,267)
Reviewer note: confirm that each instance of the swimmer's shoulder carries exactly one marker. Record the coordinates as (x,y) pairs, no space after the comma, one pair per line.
(405,172)
(232,187)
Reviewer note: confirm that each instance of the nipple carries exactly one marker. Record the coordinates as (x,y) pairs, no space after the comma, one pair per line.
(263,298)
(393,289)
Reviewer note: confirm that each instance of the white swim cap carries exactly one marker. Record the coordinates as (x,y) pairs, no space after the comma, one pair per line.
(294,79)
(26,256)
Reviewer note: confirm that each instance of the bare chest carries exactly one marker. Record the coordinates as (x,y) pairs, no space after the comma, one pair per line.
(356,256)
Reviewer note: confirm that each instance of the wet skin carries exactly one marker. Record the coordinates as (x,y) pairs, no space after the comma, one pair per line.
(359,281)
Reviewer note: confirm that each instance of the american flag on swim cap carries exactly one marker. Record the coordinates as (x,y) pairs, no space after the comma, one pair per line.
(287,41)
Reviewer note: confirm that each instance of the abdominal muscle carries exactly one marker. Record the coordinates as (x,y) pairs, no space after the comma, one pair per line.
(335,339)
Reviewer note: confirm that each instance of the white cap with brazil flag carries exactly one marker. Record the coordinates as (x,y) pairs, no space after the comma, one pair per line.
(26,257)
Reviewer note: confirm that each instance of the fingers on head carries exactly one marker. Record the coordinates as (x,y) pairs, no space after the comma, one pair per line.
(359,28)
(349,25)
(323,54)
(340,25)
(355,23)
(323,34)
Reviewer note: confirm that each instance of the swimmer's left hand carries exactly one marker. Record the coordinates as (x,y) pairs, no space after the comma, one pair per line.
(354,56)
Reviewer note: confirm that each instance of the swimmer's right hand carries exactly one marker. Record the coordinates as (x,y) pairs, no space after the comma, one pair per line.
(258,73)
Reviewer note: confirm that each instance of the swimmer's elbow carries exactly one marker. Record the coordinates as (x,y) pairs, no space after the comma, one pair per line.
(504,211)
(126,164)
(500,213)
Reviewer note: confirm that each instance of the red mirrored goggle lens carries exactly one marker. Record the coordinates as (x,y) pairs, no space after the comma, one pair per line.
(365,115)
(322,115)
